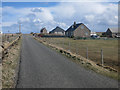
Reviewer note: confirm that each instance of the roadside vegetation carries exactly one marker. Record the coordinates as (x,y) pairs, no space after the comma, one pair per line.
(8,38)
(109,47)
(90,51)
(10,62)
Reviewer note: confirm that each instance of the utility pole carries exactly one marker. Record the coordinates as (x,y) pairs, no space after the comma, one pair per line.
(19,28)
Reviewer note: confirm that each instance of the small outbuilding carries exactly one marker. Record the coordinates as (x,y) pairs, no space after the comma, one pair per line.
(43,31)
(57,31)
(112,32)
(78,30)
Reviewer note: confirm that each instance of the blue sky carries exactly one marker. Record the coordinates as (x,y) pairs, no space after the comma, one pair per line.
(97,16)
(30,4)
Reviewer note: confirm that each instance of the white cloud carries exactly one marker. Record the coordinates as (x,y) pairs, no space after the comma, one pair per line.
(24,19)
(90,18)
(116,17)
(44,14)
(89,13)
(37,20)
(8,23)
(64,10)
(63,15)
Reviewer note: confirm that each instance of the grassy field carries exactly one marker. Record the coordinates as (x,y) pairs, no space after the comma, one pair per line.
(109,47)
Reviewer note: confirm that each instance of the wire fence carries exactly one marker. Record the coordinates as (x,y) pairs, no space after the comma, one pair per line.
(100,51)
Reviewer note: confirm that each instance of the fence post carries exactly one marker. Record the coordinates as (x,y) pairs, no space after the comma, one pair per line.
(50,40)
(63,44)
(56,42)
(8,38)
(69,45)
(76,49)
(102,57)
(87,52)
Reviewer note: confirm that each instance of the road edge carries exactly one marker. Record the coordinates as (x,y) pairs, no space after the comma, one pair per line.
(97,69)
(18,67)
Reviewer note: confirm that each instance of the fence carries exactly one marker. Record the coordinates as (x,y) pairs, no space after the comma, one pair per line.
(12,40)
(9,37)
(100,51)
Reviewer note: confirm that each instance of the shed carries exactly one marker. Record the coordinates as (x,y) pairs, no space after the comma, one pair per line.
(43,31)
(112,32)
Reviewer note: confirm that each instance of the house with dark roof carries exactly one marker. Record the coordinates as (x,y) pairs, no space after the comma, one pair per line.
(43,31)
(57,31)
(112,32)
(78,30)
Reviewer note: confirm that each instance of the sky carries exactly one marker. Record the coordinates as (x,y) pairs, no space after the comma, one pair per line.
(60,0)
(97,16)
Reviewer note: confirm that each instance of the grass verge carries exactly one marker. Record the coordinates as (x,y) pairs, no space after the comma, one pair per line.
(10,66)
(87,64)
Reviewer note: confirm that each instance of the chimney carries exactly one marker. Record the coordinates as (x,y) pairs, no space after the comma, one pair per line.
(74,24)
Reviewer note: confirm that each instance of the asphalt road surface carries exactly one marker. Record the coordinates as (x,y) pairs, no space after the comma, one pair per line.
(42,67)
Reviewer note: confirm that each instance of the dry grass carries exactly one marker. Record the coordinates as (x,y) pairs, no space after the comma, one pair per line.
(8,38)
(110,49)
(88,64)
(0,76)
(9,66)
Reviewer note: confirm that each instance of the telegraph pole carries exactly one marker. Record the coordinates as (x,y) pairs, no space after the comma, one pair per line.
(19,28)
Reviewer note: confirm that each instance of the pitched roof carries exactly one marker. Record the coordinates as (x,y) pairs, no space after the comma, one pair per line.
(114,30)
(58,29)
(72,28)
(43,29)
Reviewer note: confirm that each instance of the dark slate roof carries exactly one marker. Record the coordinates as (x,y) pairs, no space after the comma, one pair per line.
(57,29)
(43,29)
(71,27)
(114,30)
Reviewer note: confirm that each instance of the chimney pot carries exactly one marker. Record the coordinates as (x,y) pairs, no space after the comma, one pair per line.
(74,24)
